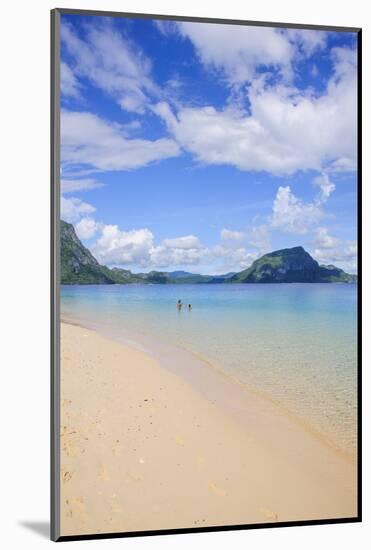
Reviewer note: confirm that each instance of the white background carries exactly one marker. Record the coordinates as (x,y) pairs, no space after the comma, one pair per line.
(24,256)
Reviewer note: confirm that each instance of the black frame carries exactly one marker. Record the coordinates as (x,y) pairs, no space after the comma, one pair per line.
(55,277)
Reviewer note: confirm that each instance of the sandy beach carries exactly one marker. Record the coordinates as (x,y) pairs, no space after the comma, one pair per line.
(144,448)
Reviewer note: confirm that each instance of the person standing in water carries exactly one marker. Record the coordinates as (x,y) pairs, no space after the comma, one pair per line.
(189,307)
(179,305)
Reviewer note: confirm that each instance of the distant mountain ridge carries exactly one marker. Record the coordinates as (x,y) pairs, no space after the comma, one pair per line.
(289,265)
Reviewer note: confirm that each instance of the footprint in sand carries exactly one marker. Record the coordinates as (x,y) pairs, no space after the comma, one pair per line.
(103,474)
(69,448)
(116,447)
(66,475)
(75,508)
(200,459)
(179,441)
(63,431)
(217,490)
(267,513)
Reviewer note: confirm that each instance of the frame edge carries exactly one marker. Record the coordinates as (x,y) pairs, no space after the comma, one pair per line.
(54,283)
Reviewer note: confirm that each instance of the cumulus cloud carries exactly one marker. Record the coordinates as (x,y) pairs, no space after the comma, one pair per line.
(345,60)
(292,215)
(163,256)
(307,41)
(73,209)
(185,243)
(83,184)
(269,136)
(324,240)
(112,63)
(137,248)
(228,137)
(286,130)
(228,234)
(86,228)
(87,139)
(123,247)
(221,257)
(331,250)
(238,50)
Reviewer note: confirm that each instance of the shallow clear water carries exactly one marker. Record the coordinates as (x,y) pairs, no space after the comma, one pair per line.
(296,343)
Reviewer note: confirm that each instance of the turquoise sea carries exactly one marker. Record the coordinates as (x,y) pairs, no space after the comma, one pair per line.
(294,343)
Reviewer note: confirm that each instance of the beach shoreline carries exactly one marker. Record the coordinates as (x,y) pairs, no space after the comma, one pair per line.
(202,374)
(174,451)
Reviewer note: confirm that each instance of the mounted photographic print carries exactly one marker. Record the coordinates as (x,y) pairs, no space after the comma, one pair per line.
(205,292)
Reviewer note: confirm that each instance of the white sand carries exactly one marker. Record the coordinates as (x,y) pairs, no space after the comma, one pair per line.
(143,449)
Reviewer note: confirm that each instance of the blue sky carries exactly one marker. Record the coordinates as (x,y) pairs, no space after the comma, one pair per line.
(201,147)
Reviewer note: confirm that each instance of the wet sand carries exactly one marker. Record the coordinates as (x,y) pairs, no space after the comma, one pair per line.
(144,447)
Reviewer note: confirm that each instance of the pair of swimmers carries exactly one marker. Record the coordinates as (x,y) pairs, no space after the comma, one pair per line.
(179,305)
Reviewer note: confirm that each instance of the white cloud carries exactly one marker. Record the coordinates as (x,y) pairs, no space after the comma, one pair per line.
(307,41)
(185,243)
(324,240)
(345,61)
(292,215)
(260,238)
(228,137)
(228,234)
(268,137)
(116,247)
(163,256)
(219,258)
(331,250)
(285,131)
(315,130)
(343,164)
(70,86)
(73,185)
(86,228)
(238,50)
(112,63)
(138,248)
(89,140)
(236,258)
(73,209)
(325,185)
